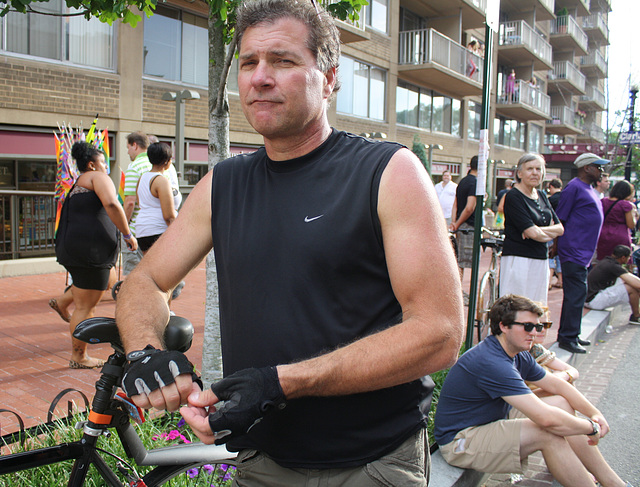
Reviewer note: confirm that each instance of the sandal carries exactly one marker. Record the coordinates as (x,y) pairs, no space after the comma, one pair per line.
(53,304)
(557,286)
(77,365)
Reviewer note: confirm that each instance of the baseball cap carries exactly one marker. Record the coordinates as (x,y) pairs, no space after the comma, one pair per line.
(589,158)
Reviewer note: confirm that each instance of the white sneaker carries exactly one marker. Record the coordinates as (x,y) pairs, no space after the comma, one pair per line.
(634,320)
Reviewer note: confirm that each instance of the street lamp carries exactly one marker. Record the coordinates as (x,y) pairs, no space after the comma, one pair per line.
(431,148)
(180,97)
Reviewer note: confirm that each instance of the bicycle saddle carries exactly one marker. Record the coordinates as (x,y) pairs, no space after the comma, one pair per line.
(177,335)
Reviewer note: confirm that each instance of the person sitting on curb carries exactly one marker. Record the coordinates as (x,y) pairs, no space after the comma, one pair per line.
(490,421)
(609,283)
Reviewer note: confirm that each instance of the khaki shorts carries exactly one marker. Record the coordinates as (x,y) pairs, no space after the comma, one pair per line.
(408,465)
(490,448)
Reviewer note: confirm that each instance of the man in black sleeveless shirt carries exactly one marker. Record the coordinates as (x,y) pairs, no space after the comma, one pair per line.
(338,285)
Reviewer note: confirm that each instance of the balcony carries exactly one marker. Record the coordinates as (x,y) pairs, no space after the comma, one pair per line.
(351,31)
(544,8)
(527,103)
(428,58)
(595,26)
(473,12)
(594,64)
(566,35)
(593,132)
(583,6)
(566,77)
(562,122)
(594,100)
(521,45)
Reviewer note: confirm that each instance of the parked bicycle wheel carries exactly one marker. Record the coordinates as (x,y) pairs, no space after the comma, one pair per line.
(115,290)
(486,298)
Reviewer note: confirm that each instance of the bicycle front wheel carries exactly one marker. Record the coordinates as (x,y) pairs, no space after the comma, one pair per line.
(193,475)
(486,298)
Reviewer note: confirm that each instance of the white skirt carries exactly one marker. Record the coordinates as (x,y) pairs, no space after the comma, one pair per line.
(525,277)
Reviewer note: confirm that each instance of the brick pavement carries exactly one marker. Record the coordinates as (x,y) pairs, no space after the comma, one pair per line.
(35,344)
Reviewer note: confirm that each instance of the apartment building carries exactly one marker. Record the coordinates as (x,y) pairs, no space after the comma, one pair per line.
(411,71)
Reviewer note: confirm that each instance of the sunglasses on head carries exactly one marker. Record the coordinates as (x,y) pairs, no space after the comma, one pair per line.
(530,326)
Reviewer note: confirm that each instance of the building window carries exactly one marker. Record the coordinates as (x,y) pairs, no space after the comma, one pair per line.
(68,39)
(535,138)
(475,112)
(426,109)
(508,132)
(363,89)
(376,14)
(176,46)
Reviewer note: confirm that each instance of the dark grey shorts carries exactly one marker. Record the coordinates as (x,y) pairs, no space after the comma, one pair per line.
(408,465)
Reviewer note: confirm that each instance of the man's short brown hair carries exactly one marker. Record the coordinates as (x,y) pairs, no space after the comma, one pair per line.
(504,311)
(139,138)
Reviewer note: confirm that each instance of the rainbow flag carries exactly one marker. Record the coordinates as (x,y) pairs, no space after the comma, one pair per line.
(66,170)
(121,188)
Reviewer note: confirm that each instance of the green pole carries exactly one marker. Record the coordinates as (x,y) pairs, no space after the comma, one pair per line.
(482,185)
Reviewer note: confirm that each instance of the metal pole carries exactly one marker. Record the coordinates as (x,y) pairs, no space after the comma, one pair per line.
(179,148)
(632,110)
(484,124)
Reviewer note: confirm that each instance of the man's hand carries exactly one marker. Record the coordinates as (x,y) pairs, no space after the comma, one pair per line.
(159,378)
(249,395)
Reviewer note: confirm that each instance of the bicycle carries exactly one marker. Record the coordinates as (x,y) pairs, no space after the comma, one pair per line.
(113,410)
(488,290)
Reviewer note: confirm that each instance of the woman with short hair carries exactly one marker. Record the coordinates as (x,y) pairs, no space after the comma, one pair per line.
(529,223)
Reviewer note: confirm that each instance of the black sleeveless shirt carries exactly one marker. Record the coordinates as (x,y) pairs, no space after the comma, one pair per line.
(302,271)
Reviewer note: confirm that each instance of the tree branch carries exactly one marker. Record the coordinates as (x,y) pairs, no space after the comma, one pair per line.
(225,70)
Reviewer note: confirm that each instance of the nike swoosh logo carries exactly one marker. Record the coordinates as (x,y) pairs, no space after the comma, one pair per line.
(307,219)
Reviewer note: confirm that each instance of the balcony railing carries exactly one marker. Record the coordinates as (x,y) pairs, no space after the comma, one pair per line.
(562,115)
(594,95)
(425,46)
(520,33)
(566,24)
(594,132)
(27,220)
(595,58)
(529,96)
(596,21)
(567,70)
(479,4)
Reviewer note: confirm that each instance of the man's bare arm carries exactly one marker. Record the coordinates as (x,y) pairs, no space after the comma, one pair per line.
(129,205)
(466,213)
(142,311)
(425,281)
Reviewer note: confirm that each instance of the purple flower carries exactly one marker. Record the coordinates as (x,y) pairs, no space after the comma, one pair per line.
(208,469)
(192,473)
(181,423)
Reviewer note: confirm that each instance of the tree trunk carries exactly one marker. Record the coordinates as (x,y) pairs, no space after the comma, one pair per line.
(218,151)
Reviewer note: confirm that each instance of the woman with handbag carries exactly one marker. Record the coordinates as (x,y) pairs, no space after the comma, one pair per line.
(619,218)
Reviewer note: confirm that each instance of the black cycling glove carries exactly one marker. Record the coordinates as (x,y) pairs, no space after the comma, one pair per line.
(249,395)
(152,369)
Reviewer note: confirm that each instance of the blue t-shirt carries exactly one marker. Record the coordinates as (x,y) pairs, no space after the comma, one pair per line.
(473,390)
(580,212)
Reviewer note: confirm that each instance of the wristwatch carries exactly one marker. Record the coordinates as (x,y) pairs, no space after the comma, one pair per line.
(595,426)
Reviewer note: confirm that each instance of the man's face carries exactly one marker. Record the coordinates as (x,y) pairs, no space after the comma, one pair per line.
(446,177)
(517,339)
(603,184)
(593,172)
(132,150)
(282,91)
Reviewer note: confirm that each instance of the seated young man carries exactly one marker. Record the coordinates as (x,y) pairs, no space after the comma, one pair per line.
(489,420)
(609,283)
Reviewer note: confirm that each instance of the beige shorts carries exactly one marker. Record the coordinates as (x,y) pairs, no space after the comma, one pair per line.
(491,448)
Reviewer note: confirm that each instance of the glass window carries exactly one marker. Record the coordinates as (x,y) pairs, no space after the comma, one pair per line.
(376,14)
(425,109)
(407,106)
(176,46)
(7,172)
(426,105)
(437,113)
(474,113)
(455,116)
(36,175)
(363,89)
(535,138)
(68,39)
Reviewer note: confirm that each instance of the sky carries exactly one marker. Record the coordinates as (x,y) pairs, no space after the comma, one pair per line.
(624,58)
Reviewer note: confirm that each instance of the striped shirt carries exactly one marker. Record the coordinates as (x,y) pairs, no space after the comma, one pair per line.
(137,168)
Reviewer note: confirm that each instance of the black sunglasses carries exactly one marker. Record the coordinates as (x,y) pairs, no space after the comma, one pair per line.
(530,326)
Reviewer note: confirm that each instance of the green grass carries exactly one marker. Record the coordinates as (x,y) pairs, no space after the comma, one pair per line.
(162,431)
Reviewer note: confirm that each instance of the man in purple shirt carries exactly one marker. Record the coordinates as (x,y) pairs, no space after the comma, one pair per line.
(580,212)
